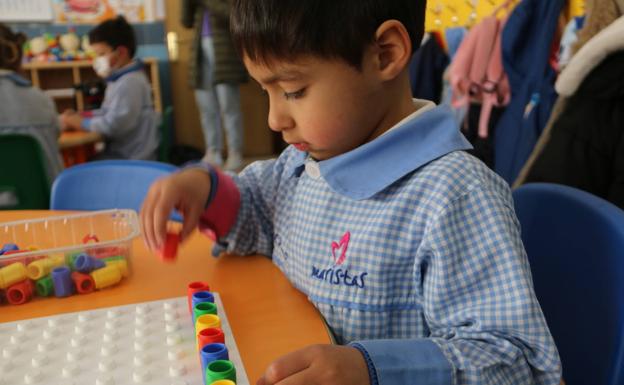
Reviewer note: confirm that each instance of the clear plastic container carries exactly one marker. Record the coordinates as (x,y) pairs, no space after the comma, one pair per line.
(96,244)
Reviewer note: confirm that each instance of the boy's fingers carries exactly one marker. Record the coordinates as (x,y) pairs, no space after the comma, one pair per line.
(286,367)
(163,196)
(143,218)
(304,377)
(191,219)
(161,215)
(147,216)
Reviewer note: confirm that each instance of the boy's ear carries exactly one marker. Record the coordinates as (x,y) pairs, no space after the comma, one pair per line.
(124,51)
(393,48)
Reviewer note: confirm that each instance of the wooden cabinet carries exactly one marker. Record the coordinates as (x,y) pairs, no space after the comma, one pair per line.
(58,79)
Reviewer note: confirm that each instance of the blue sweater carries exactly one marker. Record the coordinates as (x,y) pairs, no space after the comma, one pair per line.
(127,119)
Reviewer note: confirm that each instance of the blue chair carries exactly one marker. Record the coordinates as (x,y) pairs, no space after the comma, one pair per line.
(106,184)
(575,245)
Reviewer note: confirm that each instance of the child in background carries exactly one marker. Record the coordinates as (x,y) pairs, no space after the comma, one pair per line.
(23,108)
(127,119)
(215,73)
(408,246)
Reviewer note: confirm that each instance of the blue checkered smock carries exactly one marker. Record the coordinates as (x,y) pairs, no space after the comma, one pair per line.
(410,249)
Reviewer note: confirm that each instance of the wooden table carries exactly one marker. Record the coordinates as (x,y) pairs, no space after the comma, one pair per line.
(268,316)
(78,146)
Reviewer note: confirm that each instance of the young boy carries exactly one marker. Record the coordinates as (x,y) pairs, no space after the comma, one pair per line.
(407,245)
(127,119)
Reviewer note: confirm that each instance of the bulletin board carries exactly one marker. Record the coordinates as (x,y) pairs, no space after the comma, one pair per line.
(26,10)
(80,11)
(96,11)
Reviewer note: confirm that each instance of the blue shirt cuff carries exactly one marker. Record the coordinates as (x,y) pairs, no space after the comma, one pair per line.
(405,361)
(372,373)
(85,123)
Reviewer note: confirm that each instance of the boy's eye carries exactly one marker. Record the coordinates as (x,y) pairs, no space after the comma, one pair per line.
(294,95)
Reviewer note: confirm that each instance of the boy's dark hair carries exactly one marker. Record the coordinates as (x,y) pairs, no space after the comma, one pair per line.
(10,48)
(265,30)
(114,32)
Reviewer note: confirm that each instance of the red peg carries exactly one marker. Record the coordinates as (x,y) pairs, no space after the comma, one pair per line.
(169,251)
(20,292)
(84,282)
(193,288)
(210,336)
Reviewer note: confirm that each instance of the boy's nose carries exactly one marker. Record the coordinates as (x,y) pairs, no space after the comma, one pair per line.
(279,118)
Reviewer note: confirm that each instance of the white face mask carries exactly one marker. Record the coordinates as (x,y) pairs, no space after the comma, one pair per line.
(101,66)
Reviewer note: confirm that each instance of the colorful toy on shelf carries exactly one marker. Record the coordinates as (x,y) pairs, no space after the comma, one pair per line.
(35,49)
(54,47)
(86,47)
(148,342)
(50,48)
(70,44)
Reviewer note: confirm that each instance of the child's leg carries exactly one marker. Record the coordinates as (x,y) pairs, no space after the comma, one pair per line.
(211,122)
(208,105)
(229,101)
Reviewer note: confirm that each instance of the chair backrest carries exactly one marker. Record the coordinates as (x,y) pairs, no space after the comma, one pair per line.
(106,184)
(24,180)
(164,148)
(575,245)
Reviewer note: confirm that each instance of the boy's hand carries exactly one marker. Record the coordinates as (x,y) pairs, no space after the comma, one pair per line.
(187,191)
(69,120)
(318,364)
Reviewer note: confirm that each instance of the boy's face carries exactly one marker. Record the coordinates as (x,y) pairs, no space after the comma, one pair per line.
(324,107)
(105,50)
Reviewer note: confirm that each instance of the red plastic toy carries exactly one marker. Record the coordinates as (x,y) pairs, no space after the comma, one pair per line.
(170,249)
(20,293)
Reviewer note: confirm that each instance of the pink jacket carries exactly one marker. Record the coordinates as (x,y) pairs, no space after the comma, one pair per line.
(477,74)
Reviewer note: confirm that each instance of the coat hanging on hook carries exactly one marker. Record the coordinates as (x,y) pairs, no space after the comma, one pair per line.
(527,41)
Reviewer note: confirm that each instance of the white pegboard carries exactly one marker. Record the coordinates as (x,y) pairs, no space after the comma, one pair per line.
(145,343)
